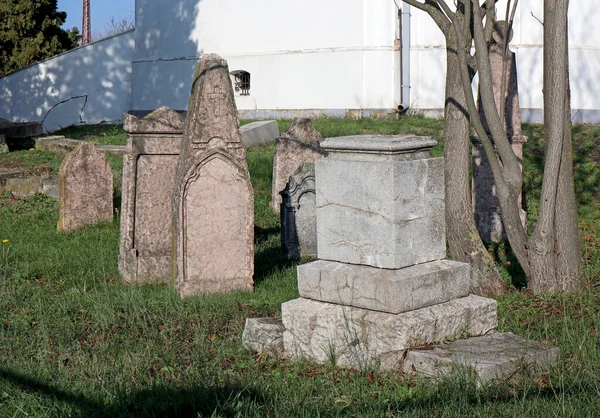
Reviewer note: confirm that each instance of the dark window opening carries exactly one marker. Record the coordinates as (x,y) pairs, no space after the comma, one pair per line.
(241,82)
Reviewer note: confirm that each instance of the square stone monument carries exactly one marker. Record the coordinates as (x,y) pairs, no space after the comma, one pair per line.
(381,284)
(149,168)
(213,202)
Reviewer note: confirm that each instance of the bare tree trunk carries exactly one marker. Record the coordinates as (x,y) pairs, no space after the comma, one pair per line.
(461,231)
(568,245)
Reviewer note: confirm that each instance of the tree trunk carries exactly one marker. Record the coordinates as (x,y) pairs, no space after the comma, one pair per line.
(463,238)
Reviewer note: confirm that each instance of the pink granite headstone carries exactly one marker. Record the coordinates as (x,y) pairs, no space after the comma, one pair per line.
(299,144)
(213,203)
(85,188)
(149,168)
(488,215)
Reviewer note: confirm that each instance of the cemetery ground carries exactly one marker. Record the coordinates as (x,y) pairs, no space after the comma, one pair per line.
(76,341)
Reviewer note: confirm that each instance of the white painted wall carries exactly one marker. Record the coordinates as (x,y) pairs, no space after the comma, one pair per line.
(310,54)
(429,61)
(100,73)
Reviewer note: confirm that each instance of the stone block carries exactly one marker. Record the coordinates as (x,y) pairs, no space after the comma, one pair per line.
(85,188)
(21,187)
(298,216)
(3,145)
(264,334)
(213,200)
(380,201)
(386,290)
(486,358)
(49,187)
(349,336)
(298,145)
(259,133)
(12,174)
(56,143)
(149,168)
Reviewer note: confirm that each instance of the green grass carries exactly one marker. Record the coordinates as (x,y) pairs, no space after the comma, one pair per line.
(76,341)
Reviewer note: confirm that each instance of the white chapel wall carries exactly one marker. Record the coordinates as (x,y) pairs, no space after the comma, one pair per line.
(89,84)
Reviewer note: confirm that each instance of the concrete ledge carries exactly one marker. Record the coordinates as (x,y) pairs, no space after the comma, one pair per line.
(361,338)
(385,290)
(487,358)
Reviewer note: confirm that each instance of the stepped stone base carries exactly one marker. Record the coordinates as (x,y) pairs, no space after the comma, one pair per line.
(486,358)
(360,338)
(386,290)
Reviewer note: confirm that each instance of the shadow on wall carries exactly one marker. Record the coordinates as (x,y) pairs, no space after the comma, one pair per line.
(87,85)
(165,54)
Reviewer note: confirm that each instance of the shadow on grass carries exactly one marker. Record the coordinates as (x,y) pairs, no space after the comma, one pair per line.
(159,401)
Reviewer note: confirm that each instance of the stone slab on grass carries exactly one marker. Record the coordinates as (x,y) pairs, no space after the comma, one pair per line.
(361,338)
(386,290)
(486,358)
(263,334)
(263,132)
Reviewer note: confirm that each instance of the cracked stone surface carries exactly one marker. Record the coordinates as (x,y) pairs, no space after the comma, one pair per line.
(383,210)
(349,336)
(387,290)
(263,334)
(487,358)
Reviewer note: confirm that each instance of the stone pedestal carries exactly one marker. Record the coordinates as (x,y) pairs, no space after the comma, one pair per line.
(381,284)
(149,166)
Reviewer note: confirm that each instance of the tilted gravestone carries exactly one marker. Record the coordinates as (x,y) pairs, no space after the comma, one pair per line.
(488,215)
(213,203)
(298,144)
(298,217)
(149,168)
(85,188)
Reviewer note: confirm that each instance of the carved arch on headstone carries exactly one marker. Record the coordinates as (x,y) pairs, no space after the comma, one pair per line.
(238,170)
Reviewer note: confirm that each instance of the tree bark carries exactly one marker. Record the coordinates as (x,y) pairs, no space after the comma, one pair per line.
(463,238)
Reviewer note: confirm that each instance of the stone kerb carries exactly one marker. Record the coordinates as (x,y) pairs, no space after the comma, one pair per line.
(85,188)
(213,202)
(380,201)
(149,168)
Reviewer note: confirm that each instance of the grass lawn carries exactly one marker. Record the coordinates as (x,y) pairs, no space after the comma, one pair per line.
(76,341)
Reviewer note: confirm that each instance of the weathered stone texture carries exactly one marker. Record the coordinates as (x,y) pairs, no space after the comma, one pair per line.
(297,145)
(386,290)
(356,337)
(380,201)
(264,132)
(3,145)
(85,188)
(298,214)
(149,168)
(213,203)
(264,334)
(487,358)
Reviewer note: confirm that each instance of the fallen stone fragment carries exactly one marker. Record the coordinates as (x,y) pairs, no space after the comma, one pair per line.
(264,334)
(496,356)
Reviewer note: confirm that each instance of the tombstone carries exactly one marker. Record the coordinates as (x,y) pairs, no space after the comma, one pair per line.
(85,188)
(299,144)
(298,218)
(213,203)
(381,282)
(488,215)
(3,146)
(149,168)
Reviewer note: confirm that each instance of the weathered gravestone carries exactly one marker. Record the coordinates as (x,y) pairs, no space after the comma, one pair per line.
(213,203)
(298,218)
(298,144)
(488,215)
(149,168)
(85,188)
(381,285)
